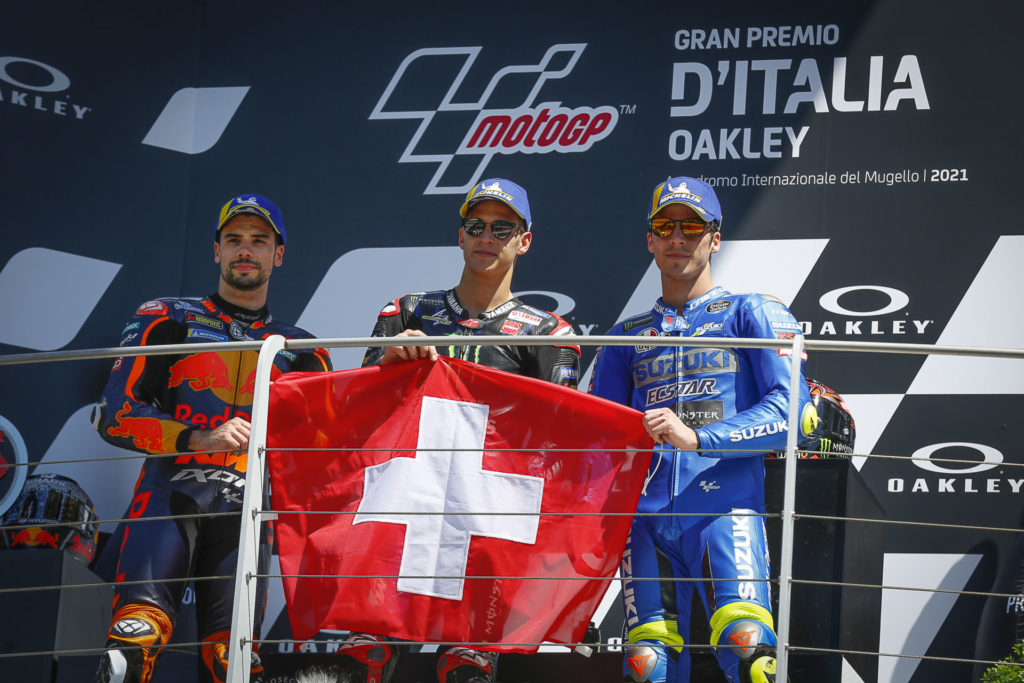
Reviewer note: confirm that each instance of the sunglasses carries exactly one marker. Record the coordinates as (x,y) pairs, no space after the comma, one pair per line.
(501,230)
(691,227)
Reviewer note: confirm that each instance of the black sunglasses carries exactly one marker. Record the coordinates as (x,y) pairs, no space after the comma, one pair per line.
(501,230)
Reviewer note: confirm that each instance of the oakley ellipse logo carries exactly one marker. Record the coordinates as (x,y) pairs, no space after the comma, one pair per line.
(57,80)
(32,84)
(854,323)
(897,300)
(524,127)
(990,458)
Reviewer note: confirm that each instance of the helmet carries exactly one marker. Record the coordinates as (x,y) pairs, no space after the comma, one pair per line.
(53,499)
(835,433)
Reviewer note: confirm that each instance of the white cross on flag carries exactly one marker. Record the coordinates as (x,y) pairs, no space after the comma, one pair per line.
(459,517)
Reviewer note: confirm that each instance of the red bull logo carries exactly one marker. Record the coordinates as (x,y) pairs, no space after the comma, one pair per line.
(34,536)
(146,433)
(248,389)
(203,371)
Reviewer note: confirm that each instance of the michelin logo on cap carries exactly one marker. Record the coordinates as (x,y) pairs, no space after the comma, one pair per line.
(701,199)
(493,190)
(501,190)
(675,192)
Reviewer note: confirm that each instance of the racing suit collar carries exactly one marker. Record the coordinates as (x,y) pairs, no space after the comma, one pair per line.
(243,315)
(671,320)
(460,310)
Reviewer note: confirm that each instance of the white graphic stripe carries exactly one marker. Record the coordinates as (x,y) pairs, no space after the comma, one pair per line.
(987,316)
(910,619)
(194,119)
(46,296)
(871,413)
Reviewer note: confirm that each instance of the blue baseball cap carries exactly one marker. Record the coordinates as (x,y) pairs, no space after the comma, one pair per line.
(254,204)
(500,190)
(690,192)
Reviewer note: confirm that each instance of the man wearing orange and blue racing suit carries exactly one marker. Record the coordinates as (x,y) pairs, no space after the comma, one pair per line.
(195,405)
(715,412)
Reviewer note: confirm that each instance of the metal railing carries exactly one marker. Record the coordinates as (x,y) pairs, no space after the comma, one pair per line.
(252,514)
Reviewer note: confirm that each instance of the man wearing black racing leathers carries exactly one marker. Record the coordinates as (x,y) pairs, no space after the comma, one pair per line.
(198,406)
(496,230)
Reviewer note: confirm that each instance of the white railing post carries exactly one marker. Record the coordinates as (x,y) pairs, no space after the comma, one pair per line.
(788,504)
(243,609)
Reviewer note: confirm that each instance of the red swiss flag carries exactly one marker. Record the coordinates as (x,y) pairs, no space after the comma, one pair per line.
(435,492)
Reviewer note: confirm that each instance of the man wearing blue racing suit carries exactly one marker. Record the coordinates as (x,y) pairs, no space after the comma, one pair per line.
(715,412)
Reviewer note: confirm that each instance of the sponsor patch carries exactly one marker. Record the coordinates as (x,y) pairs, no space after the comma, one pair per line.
(758,431)
(440,317)
(525,317)
(471,323)
(237,331)
(691,362)
(718,306)
(648,332)
(702,386)
(511,327)
(708,328)
(203,320)
(206,334)
(186,306)
(696,414)
(535,311)
(637,322)
(152,308)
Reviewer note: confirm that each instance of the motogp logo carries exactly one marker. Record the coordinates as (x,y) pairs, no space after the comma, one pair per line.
(526,127)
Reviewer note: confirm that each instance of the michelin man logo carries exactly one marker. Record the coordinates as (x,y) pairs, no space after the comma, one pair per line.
(493,188)
(526,128)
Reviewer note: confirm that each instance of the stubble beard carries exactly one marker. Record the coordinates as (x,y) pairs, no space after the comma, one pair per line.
(246,282)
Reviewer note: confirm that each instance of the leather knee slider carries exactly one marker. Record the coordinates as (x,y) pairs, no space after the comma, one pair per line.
(649,661)
(138,631)
(742,626)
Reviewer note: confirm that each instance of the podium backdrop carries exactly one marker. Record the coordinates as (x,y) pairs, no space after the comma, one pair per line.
(866,156)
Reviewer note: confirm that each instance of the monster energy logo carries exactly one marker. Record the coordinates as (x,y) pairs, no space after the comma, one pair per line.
(463,353)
